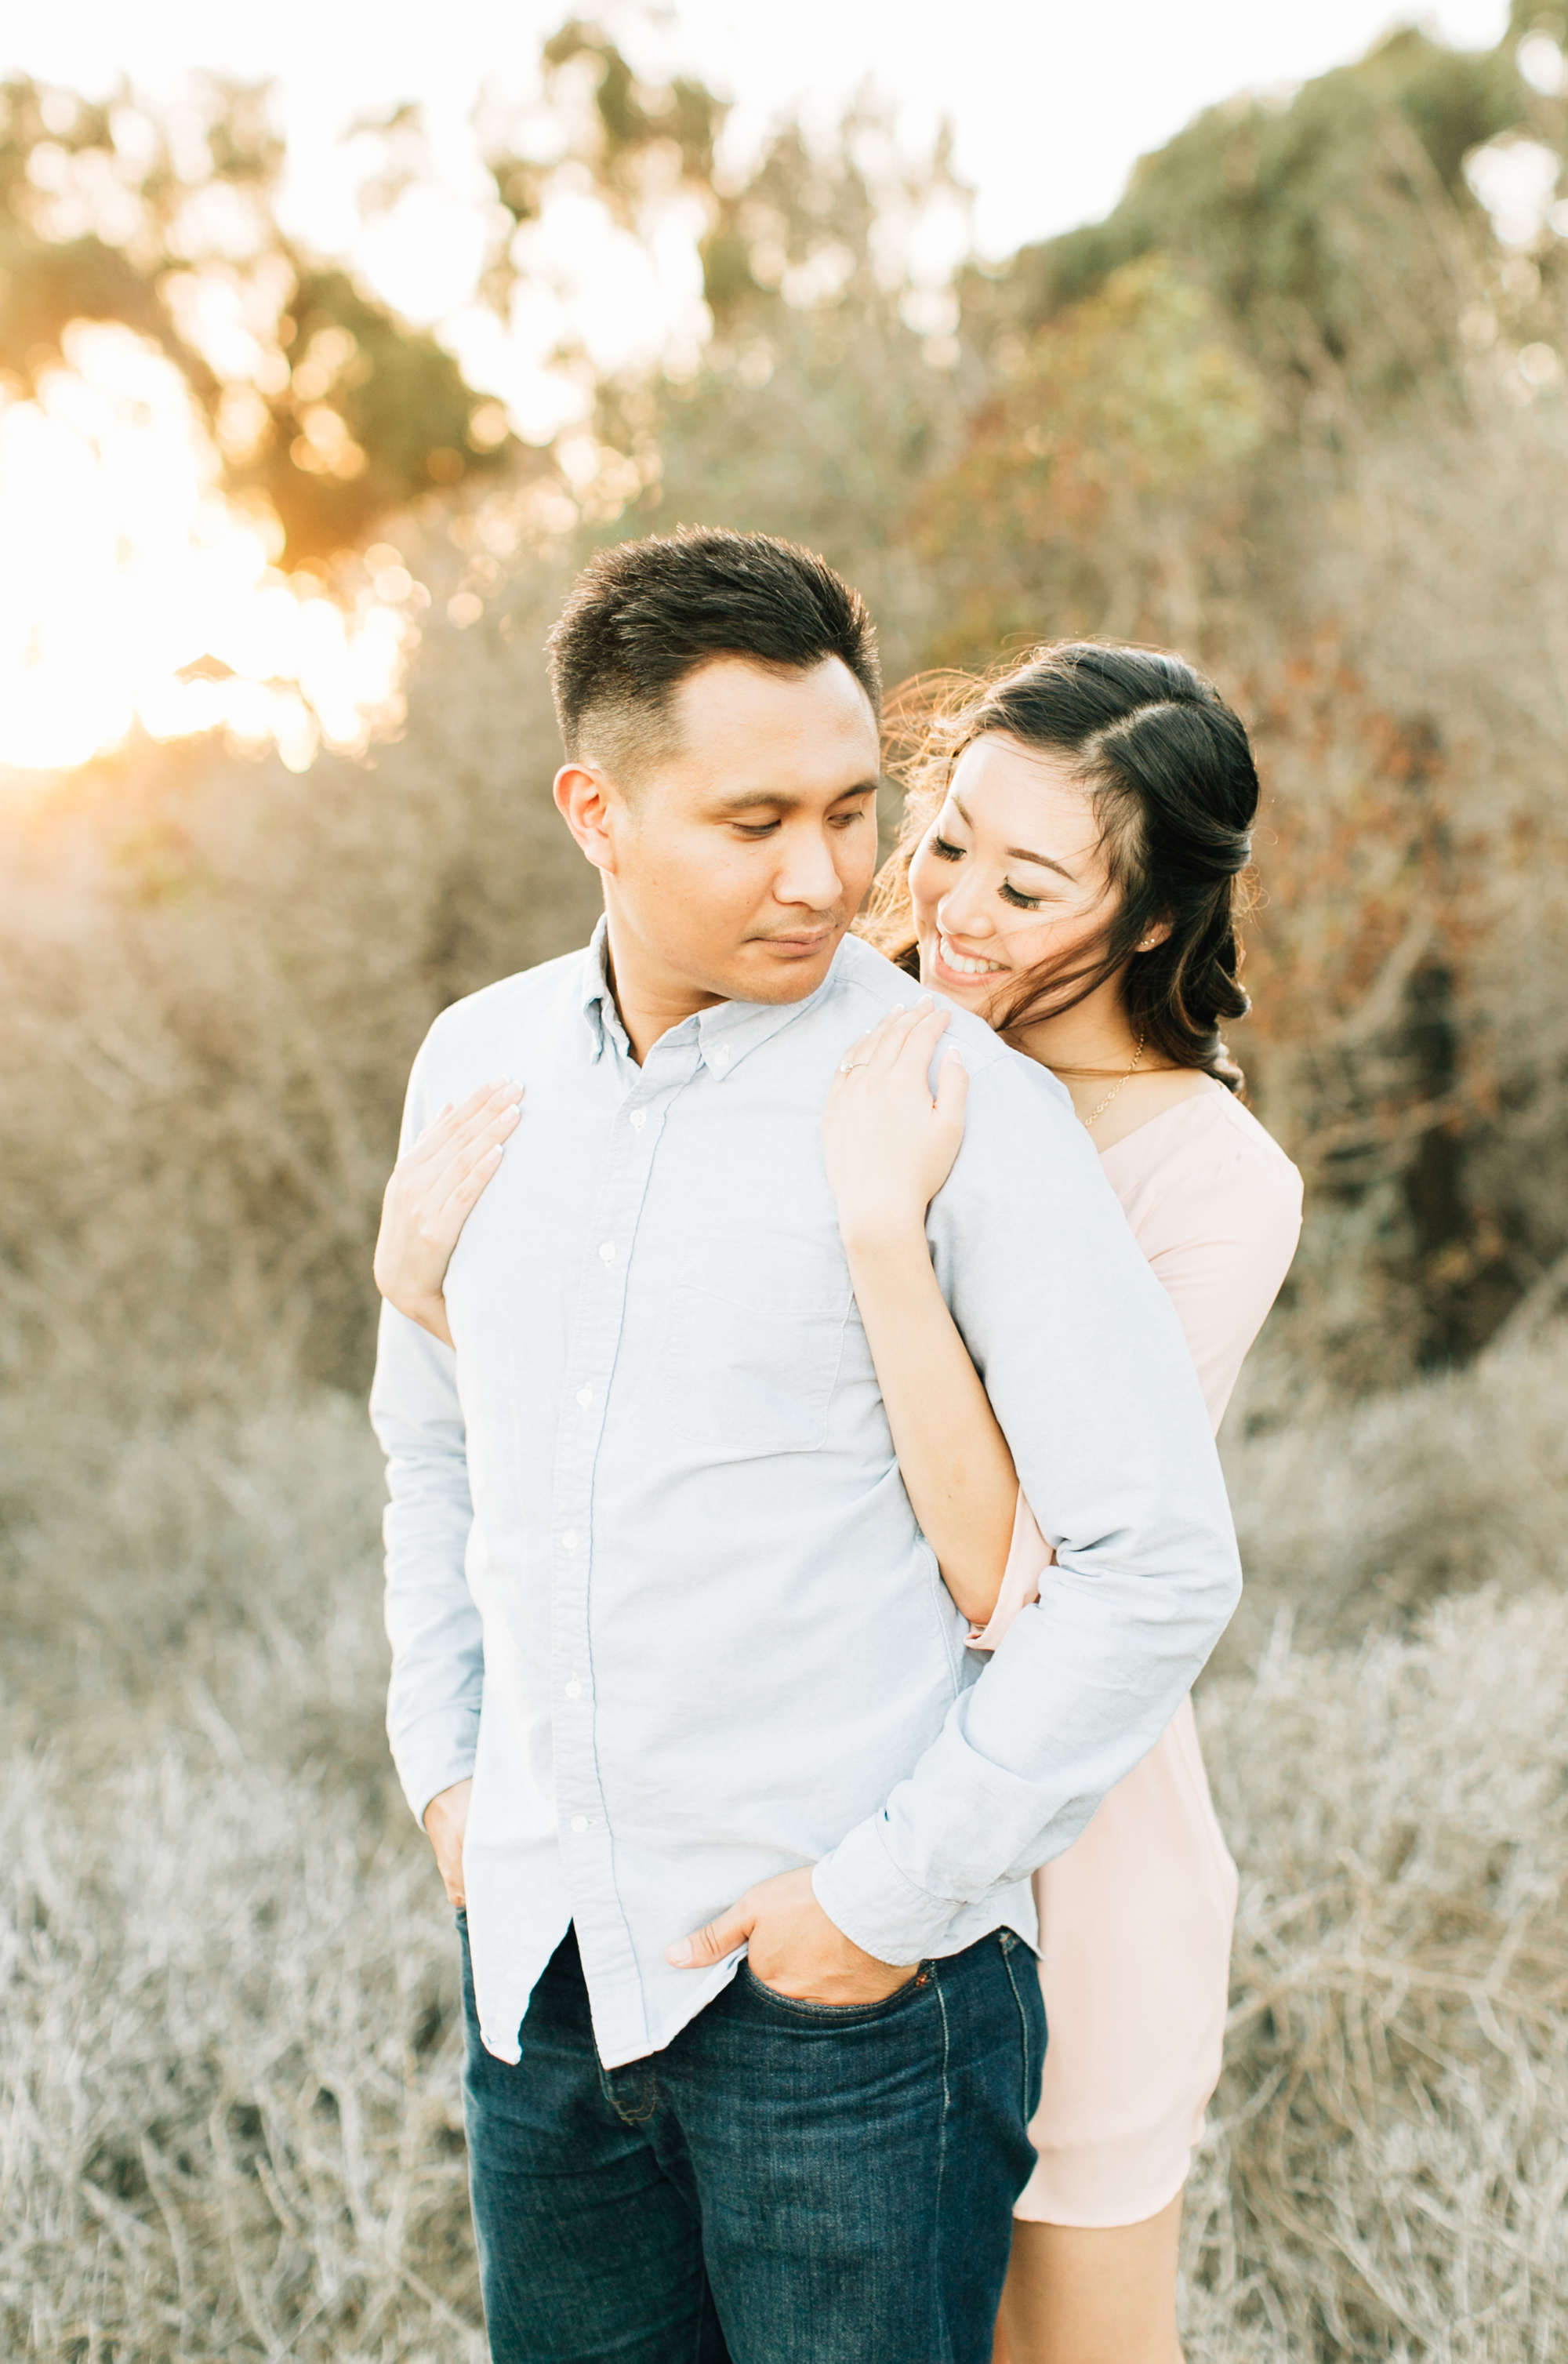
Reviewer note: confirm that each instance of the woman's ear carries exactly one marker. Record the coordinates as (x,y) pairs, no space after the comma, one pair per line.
(588,805)
(1153,936)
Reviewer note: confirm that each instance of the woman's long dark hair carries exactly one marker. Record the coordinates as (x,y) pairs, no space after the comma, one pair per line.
(1169,770)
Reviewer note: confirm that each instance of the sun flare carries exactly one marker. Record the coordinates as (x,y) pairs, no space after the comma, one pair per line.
(135,595)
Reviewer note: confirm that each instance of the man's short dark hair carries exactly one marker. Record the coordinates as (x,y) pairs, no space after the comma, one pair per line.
(644,615)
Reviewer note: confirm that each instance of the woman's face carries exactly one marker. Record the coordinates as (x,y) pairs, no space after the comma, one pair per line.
(1010,874)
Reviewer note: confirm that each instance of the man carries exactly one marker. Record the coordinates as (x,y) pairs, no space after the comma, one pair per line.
(654,1586)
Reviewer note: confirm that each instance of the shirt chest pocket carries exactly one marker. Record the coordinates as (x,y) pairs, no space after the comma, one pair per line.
(755,1336)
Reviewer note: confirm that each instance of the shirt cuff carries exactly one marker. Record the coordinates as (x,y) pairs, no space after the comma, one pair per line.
(865,1895)
(437,1751)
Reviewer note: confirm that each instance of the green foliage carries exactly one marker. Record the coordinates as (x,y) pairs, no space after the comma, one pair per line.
(1256,196)
(815,404)
(639,142)
(116,213)
(1123,423)
(408,416)
(635,119)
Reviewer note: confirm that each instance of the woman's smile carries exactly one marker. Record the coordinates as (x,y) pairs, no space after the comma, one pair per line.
(960,967)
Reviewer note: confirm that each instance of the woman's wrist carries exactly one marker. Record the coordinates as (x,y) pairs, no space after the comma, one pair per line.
(429,1310)
(884,1237)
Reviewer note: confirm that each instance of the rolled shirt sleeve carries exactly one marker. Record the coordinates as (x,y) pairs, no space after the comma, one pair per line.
(1087,1368)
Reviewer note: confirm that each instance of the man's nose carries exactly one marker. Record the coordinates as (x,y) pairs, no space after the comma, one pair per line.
(808,874)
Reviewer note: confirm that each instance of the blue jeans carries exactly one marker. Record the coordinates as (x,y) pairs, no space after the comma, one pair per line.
(786,2183)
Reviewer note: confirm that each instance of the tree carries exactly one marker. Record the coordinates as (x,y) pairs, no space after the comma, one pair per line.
(1256,197)
(1102,472)
(323,404)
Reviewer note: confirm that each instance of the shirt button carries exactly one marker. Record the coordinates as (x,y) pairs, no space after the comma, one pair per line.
(639,1118)
(569,1540)
(579,1823)
(584,1397)
(721,1058)
(574,1690)
(607,1251)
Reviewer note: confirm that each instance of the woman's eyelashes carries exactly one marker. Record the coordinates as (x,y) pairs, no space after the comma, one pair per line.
(945,850)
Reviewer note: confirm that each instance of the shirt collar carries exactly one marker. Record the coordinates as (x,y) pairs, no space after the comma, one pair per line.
(725,1034)
(599,1013)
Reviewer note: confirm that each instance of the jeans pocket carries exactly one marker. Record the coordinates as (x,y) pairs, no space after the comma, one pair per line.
(842,2013)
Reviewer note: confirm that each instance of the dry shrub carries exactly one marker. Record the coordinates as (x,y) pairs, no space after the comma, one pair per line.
(1390,2157)
(144,1571)
(228,2112)
(1405,665)
(216,976)
(1359,1516)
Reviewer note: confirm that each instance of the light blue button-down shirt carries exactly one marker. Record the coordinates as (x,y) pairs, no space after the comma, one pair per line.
(652,1576)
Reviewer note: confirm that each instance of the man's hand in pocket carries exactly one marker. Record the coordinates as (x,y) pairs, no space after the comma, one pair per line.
(446,1819)
(792,1947)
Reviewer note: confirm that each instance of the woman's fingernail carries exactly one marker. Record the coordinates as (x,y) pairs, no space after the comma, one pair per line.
(679,1955)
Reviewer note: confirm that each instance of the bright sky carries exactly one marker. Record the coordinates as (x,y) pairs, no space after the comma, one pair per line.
(1051,100)
(136,568)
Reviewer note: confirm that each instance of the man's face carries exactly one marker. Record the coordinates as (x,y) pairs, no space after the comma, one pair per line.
(736,866)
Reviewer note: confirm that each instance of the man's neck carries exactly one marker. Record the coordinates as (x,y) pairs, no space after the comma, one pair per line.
(650,1000)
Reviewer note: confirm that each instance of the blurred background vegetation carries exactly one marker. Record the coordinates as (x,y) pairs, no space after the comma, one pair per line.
(1297,407)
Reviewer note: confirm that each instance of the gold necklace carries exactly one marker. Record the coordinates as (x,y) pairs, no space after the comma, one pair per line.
(1116,1087)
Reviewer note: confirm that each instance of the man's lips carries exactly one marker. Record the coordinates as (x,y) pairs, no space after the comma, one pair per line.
(803,940)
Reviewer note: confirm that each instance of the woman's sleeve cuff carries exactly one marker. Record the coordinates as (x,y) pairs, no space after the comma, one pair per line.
(1029,1557)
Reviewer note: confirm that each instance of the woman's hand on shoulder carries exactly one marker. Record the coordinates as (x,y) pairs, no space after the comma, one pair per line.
(431,1194)
(889,1146)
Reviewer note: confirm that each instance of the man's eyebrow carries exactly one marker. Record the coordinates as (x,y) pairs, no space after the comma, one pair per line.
(749,801)
(1021,852)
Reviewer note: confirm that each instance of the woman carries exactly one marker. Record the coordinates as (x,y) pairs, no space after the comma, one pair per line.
(1077,832)
(1076,838)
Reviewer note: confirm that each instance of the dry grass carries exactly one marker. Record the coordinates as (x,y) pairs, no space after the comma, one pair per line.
(1359,1515)
(1390,2160)
(229,2105)
(231,2124)
(229,2113)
